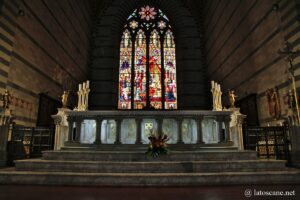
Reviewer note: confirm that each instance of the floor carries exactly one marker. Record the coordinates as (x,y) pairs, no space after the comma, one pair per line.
(8,192)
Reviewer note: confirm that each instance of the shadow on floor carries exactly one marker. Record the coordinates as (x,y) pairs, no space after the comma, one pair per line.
(20,192)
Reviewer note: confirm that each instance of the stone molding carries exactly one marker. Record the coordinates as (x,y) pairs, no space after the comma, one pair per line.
(142,113)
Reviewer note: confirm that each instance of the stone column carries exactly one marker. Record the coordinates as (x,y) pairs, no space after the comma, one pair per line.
(239,130)
(78,123)
(118,133)
(61,128)
(294,129)
(236,128)
(179,122)
(57,122)
(5,121)
(70,131)
(199,130)
(220,124)
(98,130)
(138,123)
(227,131)
(159,125)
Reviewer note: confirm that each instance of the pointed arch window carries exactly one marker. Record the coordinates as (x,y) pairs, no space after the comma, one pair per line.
(147,71)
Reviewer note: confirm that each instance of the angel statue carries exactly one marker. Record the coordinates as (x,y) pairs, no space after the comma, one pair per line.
(65,98)
(232,96)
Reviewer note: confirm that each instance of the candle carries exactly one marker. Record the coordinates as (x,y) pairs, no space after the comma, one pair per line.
(84,86)
(212,84)
(87,84)
(80,86)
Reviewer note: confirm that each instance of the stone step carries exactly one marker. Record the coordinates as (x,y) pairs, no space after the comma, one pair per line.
(150,179)
(203,155)
(149,167)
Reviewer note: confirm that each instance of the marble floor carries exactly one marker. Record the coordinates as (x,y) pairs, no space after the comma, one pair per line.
(9,192)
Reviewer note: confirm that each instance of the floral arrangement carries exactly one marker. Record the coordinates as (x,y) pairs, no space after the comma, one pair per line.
(157,144)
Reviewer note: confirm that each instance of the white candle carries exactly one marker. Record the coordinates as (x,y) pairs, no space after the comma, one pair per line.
(80,86)
(212,84)
(84,85)
(87,84)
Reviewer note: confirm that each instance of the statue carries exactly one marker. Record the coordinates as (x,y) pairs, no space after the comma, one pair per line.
(232,97)
(6,99)
(273,102)
(65,98)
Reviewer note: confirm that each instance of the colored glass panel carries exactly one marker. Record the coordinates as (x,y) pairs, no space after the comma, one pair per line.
(147,13)
(170,71)
(149,26)
(155,91)
(125,72)
(140,96)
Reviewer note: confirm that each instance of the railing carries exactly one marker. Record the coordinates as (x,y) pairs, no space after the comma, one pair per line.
(205,124)
(29,142)
(269,142)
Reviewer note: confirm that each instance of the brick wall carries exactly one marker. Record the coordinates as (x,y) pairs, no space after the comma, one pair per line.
(44,48)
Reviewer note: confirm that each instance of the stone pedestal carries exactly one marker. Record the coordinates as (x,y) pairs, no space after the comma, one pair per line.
(295,142)
(5,121)
(294,129)
(61,128)
(236,128)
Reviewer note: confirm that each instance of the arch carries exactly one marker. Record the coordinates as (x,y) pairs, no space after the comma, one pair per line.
(150,32)
(105,60)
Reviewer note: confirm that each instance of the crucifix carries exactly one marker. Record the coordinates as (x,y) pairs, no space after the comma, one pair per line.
(290,55)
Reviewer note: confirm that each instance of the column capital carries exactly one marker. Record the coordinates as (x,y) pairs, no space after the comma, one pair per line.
(70,118)
(57,120)
(98,118)
(240,119)
(138,119)
(227,118)
(200,117)
(179,118)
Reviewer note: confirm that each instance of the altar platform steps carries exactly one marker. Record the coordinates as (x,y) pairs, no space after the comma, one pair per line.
(131,156)
(149,167)
(284,177)
(134,168)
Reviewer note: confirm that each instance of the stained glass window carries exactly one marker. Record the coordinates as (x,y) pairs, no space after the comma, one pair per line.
(147,74)
(125,71)
(140,68)
(170,71)
(155,85)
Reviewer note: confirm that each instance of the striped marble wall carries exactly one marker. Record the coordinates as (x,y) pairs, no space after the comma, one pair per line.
(44,48)
(242,39)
